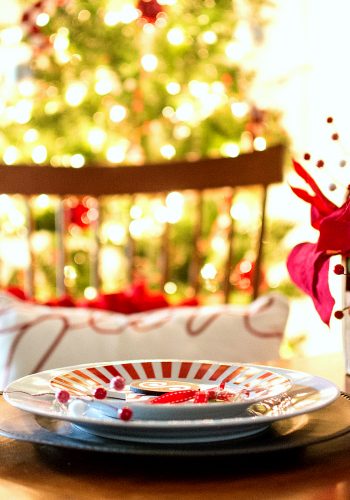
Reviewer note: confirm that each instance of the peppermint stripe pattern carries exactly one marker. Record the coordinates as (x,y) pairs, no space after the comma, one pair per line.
(83,380)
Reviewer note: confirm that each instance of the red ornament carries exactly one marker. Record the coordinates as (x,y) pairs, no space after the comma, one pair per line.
(243,276)
(150,9)
(25,16)
(29,17)
(17,292)
(257,115)
(77,215)
(63,301)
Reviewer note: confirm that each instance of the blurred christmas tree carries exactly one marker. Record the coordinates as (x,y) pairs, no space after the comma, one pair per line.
(130,82)
(123,81)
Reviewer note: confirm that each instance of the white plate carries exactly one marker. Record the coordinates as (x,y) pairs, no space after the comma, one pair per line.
(309,393)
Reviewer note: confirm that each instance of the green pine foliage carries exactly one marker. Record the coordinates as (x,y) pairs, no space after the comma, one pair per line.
(192,41)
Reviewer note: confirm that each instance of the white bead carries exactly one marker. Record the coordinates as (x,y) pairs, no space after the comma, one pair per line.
(77,408)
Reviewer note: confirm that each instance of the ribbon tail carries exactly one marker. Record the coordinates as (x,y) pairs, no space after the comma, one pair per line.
(327,206)
(309,270)
(305,196)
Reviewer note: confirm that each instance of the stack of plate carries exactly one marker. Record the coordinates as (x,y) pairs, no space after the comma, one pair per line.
(273,394)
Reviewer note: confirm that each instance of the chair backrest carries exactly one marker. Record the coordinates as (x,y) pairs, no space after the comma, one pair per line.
(249,169)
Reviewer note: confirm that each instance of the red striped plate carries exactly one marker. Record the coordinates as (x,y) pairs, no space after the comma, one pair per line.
(261,382)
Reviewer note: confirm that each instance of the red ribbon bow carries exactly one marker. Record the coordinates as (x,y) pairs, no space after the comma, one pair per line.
(308,263)
(198,396)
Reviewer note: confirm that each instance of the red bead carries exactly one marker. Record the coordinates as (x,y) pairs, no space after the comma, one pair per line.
(307,156)
(117,383)
(320,164)
(339,314)
(125,413)
(100,393)
(63,396)
(338,269)
(201,397)
(335,137)
(149,9)
(329,119)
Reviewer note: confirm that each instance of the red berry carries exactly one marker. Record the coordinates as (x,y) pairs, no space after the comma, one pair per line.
(338,269)
(117,383)
(320,164)
(307,156)
(335,137)
(339,314)
(329,119)
(100,393)
(125,413)
(63,396)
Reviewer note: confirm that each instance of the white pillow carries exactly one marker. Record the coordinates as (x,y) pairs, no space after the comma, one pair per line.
(35,337)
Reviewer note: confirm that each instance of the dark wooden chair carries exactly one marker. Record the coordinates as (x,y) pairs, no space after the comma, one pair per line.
(250,169)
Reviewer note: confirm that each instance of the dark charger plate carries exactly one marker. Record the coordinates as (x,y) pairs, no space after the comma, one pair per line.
(293,433)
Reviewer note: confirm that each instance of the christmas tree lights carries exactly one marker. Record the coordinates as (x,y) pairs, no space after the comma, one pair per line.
(141,80)
(128,82)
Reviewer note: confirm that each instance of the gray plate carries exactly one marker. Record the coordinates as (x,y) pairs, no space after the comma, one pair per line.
(292,433)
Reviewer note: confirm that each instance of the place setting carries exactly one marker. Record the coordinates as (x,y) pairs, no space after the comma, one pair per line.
(172,407)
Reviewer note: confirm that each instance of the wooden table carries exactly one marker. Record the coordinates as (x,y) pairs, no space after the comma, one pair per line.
(319,472)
